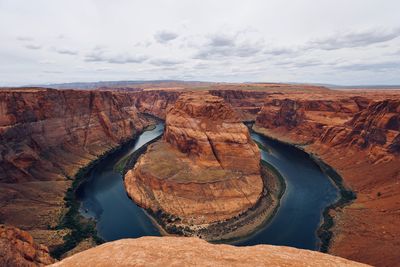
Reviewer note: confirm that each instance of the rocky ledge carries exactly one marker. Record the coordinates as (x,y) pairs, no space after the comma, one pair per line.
(205,170)
(181,251)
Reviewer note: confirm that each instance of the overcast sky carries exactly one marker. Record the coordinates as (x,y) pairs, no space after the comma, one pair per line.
(320,41)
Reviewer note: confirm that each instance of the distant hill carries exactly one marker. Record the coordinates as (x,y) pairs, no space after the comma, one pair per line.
(125,84)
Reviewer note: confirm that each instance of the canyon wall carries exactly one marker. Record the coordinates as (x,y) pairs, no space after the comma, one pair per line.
(206,169)
(359,137)
(46,136)
(155,102)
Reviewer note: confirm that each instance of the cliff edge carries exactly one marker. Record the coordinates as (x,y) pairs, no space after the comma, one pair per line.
(183,251)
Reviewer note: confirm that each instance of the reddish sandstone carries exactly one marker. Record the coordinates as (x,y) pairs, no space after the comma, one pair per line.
(206,168)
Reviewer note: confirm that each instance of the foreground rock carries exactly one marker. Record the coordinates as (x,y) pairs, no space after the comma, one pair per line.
(181,251)
(17,248)
(205,170)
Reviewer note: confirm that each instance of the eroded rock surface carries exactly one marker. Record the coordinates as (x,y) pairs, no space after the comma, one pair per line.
(45,137)
(359,137)
(184,251)
(17,248)
(206,169)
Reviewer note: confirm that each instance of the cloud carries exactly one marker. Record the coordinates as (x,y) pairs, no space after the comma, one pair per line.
(222,41)
(52,71)
(278,51)
(143,44)
(308,63)
(24,38)
(100,56)
(123,59)
(103,69)
(46,61)
(354,39)
(225,46)
(373,67)
(165,36)
(65,51)
(165,62)
(33,47)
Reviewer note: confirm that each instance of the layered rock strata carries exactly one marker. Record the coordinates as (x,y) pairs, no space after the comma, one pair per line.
(359,137)
(206,169)
(45,137)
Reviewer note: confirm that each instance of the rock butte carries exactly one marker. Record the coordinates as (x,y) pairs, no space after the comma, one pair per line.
(190,251)
(205,169)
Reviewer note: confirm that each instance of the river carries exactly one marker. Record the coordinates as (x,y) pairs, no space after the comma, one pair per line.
(308,192)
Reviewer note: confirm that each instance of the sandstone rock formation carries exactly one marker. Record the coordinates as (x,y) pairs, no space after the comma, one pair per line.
(17,248)
(376,126)
(183,251)
(210,132)
(155,102)
(206,169)
(359,137)
(305,119)
(42,140)
(45,137)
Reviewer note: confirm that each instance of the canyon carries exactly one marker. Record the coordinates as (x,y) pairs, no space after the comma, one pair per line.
(48,135)
(205,170)
(358,136)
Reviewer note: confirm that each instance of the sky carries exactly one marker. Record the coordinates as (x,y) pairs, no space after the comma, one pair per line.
(343,42)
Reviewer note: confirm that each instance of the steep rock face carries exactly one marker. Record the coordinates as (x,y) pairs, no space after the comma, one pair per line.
(377,125)
(246,103)
(289,115)
(305,120)
(181,251)
(206,168)
(359,137)
(17,248)
(370,165)
(155,102)
(45,137)
(210,131)
(35,127)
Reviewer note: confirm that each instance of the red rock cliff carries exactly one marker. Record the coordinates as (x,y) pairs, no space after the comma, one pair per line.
(209,130)
(359,137)
(45,137)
